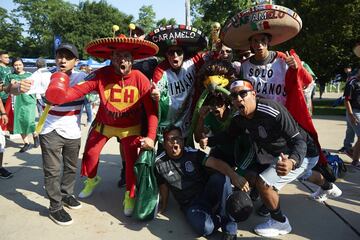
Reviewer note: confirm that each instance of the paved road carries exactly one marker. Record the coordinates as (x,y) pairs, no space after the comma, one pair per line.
(23,207)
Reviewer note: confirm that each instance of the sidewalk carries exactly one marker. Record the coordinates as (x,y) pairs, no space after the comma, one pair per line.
(24,215)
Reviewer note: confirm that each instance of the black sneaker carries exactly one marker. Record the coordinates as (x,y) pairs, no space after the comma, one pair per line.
(26,147)
(5,174)
(36,142)
(61,217)
(228,236)
(263,211)
(342,150)
(71,202)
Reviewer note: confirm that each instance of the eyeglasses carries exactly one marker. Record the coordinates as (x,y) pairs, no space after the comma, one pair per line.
(242,94)
(172,52)
(173,139)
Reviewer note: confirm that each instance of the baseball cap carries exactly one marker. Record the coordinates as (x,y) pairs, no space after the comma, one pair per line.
(70,47)
(239,206)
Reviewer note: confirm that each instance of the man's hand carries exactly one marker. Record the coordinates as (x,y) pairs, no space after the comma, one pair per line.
(25,85)
(353,119)
(290,61)
(147,143)
(203,141)
(155,92)
(240,182)
(284,165)
(4,119)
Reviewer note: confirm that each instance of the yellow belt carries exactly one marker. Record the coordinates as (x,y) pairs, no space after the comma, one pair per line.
(110,131)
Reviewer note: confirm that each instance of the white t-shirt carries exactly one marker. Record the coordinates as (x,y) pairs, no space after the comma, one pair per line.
(65,119)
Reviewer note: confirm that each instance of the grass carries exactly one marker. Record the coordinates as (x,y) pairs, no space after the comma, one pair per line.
(324,107)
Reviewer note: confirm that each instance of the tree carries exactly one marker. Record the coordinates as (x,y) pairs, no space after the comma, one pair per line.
(146,18)
(205,13)
(328,34)
(11,39)
(165,22)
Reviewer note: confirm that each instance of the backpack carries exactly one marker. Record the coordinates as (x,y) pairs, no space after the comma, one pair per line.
(337,165)
(334,168)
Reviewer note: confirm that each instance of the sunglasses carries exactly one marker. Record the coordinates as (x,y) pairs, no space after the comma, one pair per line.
(178,52)
(242,94)
(173,139)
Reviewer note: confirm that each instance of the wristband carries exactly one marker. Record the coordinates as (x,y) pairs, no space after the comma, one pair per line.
(2,114)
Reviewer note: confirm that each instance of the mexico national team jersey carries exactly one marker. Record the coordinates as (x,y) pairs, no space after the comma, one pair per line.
(177,94)
(268,79)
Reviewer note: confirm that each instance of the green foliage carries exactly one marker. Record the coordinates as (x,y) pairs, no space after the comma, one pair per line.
(329,32)
(165,22)
(11,39)
(205,12)
(146,18)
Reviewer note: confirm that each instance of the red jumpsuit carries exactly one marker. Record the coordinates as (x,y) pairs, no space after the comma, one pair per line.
(119,115)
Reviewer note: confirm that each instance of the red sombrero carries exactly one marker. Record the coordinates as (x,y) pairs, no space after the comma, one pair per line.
(281,22)
(356,49)
(103,47)
(192,40)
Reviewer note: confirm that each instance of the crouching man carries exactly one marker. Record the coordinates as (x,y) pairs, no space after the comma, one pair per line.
(201,196)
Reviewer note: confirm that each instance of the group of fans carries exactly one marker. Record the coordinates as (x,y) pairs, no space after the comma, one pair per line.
(251,113)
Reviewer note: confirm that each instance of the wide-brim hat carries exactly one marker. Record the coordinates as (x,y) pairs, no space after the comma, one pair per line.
(104,47)
(356,50)
(280,22)
(192,40)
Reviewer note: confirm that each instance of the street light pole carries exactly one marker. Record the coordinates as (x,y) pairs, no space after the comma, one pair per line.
(187,12)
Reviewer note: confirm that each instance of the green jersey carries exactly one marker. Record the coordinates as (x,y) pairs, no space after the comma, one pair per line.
(24,108)
(4,72)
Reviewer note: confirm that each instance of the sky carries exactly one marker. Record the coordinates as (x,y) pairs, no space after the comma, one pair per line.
(161,7)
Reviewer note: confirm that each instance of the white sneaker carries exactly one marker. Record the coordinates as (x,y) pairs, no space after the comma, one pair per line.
(273,228)
(322,195)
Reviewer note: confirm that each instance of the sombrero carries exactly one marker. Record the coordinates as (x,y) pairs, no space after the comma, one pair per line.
(191,39)
(103,47)
(281,22)
(356,49)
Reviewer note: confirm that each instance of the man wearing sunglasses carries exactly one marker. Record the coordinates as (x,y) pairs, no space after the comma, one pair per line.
(284,150)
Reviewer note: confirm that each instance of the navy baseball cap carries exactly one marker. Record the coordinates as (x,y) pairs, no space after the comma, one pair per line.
(70,47)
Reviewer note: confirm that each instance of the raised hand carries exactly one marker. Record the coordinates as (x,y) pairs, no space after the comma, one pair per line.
(290,61)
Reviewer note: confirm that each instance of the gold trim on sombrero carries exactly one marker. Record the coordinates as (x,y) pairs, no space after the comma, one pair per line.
(356,50)
(281,22)
(139,48)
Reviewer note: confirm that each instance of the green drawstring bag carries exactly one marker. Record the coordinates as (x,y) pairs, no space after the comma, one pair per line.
(147,192)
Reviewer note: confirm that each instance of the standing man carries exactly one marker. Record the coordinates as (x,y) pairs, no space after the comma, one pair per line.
(175,77)
(122,93)
(60,141)
(352,104)
(274,75)
(4,71)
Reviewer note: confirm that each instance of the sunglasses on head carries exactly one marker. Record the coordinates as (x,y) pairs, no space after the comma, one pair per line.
(172,52)
(242,94)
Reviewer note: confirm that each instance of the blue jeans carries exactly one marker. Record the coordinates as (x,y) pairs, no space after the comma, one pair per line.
(200,214)
(88,110)
(349,135)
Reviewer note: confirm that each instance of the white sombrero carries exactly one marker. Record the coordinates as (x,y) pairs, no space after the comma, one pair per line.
(281,22)
(356,49)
